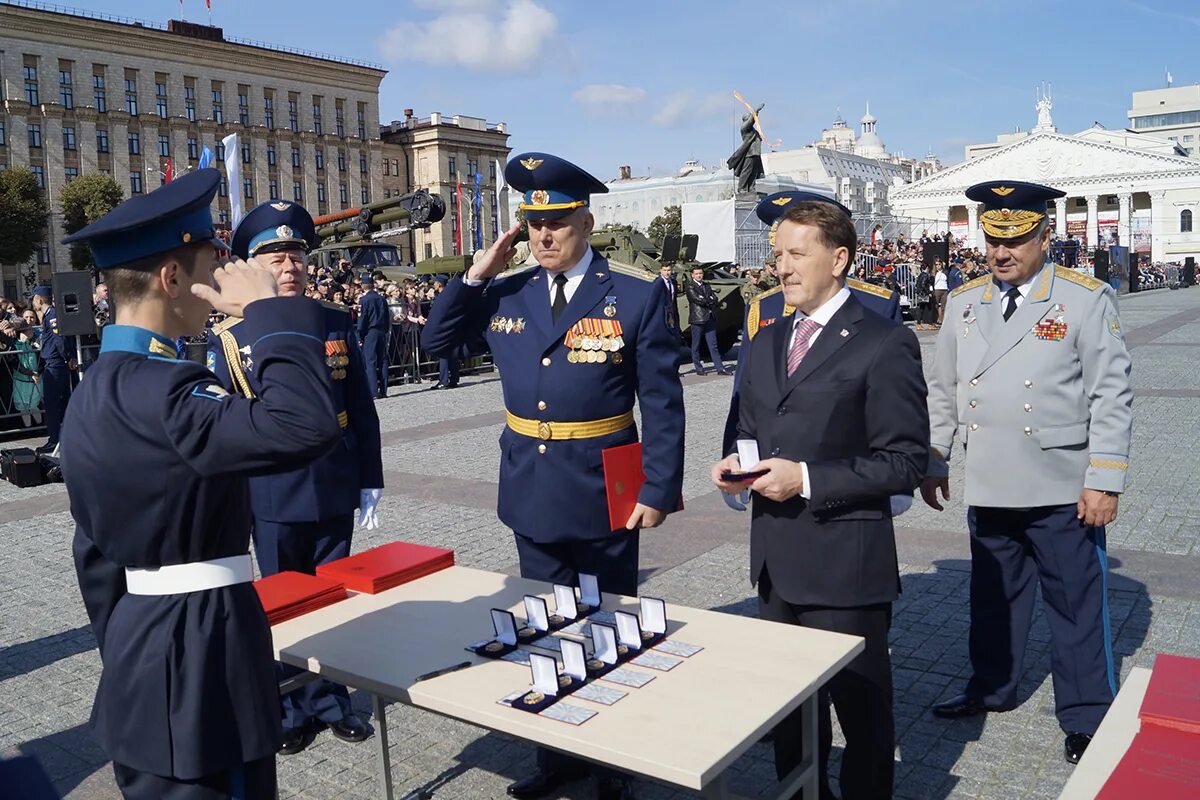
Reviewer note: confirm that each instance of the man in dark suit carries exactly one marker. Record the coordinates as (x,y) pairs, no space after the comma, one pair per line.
(835,400)
(666,275)
(374,324)
(702,316)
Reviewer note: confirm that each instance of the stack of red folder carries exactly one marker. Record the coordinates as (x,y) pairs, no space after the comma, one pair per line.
(387,566)
(286,595)
(1163,761)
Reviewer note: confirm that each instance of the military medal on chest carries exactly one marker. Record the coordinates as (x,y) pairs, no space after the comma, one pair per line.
(610,306)
(594,341)
(968,319)
(1052,330)
(337,358)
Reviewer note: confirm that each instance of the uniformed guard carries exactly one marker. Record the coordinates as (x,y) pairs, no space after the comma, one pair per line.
(1032,374)
(373,326)
(769,307)
(58,363)
(576,339)
(156,456)
(305,517)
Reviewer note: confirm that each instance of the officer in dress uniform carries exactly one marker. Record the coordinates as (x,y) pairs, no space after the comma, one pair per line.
(374,325)
(156,456)
(305,517)
(58,363)
(576,339)
(769,307)
(1032,374)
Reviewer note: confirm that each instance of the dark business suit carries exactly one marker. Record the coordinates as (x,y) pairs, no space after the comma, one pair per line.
(702,316)
(855,412)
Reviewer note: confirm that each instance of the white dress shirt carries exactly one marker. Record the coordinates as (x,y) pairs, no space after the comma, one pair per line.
(574,277)
(1025,288)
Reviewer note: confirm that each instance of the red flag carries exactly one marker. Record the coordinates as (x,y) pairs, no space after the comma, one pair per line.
(208,4)
(458,220)
(168,171)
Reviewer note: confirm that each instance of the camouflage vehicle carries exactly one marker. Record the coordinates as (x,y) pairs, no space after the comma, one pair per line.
(352,234)
(631,248)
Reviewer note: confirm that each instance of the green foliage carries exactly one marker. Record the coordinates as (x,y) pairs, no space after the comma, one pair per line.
(83,201)
(24,215)
(667,223)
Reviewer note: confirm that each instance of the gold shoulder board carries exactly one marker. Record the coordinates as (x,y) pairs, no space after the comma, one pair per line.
(752,318)
(975,284)
(1086,281)
(869,288)
(767,293)
(508,273)
(334,306)
(225,325)
(632,272)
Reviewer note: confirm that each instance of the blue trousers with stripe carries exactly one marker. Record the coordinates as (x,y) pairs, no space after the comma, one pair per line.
(1012,552)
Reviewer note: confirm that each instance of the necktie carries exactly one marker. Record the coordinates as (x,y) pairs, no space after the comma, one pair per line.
(1010,306)
(805,328)
(559,304)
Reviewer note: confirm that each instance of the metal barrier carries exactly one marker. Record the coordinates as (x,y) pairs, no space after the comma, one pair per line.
(16,390)
(407,362)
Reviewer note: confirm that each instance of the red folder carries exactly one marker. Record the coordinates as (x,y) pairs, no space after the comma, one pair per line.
(623,479)
(287,595)
(387,566)
(1173,695)
(1161,763)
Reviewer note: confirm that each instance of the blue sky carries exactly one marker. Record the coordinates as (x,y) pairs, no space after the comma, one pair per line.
(649,84)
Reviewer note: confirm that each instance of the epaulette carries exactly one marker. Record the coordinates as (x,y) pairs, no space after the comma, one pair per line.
(334,306)
(632,272)
(767,293)
(869,288)
(225,325)
(508,273)
(1086,281)
(974,284)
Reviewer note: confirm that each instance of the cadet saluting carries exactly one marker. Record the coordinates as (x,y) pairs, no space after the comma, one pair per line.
(155,455)
(1032,374)
(305,517)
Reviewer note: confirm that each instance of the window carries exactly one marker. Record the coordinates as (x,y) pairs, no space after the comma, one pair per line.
(223,217)
(66,89)
(39,173)
(320,193)
(223,187)
(1162,120)
(341,160)
(1188,138)
(320,158)
(453,167)
(248,189)
(339,120)
(270,155)
(296,157)
(366,195)
(101,140)
(68,138)
(1185,221)
(362,163)
(98,94)
(31,86)
(221,151)
(43,253)
(268,111)
(245,154)
(317,115)
(218,105)
(164,146)
(387,167)
(131,96)
(71,173)
(492,172)
(293,114)
(189,102)
(135,183)
(160,99)
(3,135)
(243,106)
(297,192)
(193,149)
(495,227)
(343,194)
(135,144)
(35,135)
(272,190)
(362,121)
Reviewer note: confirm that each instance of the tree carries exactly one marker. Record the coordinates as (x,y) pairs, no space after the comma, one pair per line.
(667,223)
(24,215)
(83,201)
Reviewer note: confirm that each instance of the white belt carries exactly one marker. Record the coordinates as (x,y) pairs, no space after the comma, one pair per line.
(184,578)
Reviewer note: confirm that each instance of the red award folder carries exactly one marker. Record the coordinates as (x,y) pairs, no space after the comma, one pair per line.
(1173,695)
(387,566)
(623,479)
(286,595)
(1160,763)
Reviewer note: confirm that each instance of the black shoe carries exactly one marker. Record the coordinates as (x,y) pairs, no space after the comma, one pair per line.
(963,706)
(540,783)
(350,729)
(295,740)
(1075,746)
(700,372)
(438,386)
(724,372)
(451,385)
(48,447)
(613,788)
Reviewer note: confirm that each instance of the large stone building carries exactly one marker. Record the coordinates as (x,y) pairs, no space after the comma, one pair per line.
(83,94)
(1172,113)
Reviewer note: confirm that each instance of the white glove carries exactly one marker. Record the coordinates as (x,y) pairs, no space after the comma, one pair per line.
(901,503)
(737,501)
(368,502)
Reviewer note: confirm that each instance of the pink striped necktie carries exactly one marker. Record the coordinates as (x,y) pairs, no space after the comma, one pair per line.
(805,328)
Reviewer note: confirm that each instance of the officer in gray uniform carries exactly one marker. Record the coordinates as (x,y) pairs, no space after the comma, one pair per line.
(1032,374)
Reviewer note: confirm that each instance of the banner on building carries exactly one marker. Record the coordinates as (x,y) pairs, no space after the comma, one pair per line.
(713,223)
(233,174)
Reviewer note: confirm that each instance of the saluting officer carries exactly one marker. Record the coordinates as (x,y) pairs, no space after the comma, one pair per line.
(58,363)
(373,326)
(1032,374)
(576,339)
(156,456)
(305,517)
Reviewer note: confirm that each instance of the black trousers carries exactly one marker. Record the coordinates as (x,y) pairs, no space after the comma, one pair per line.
(861,694)
(246,782)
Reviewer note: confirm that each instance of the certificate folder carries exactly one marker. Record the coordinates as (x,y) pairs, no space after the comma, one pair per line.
(623,479)
(387,566)
(287,595)
(1173,695)
(1160,764)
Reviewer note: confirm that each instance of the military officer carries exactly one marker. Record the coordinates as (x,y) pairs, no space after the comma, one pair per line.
(1032,375)
(373,326)
(576,339)
(156,456)
(305,517)
(58,362)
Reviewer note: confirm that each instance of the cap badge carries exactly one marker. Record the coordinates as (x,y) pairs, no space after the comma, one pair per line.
(284,232)
(1003,191)
(531,163)
(540,197)
(187,237)
(281,206)
(781,201)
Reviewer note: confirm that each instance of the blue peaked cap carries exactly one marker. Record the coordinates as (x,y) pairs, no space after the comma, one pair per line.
(772,207)
(273,226)
(173,215)
(553,187)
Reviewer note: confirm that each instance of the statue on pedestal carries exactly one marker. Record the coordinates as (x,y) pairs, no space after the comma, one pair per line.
(746,161)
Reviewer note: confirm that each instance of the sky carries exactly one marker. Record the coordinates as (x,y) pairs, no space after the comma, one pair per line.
(650,84)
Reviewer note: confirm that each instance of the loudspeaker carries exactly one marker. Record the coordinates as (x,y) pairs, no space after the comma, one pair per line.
(73,303)
(1189,271)
(934,250)
(1100,265)
(687,252)
(670,248)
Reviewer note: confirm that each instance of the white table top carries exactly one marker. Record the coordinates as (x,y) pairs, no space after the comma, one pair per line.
(684,727)
(1111,741)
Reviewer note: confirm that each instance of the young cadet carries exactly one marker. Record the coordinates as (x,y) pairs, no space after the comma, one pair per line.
(156,456)
(305,517)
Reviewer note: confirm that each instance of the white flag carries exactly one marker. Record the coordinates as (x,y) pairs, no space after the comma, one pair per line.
(500,186)
(233,172)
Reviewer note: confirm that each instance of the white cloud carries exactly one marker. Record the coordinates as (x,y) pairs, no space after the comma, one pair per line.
(477,35)
(686,108)
(605,96)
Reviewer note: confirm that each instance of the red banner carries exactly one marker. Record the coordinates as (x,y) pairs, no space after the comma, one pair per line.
(168,171)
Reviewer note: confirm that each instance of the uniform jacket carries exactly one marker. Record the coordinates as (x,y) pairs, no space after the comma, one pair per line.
(373,315)
(855,412)
(155,457)
(54,347)
(1041,404)
(330,486)
(554,491)
(702,302)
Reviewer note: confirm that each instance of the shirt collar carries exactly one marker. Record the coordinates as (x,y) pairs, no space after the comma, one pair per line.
(826,310)
(1024,288)
(142,342)
(577,272)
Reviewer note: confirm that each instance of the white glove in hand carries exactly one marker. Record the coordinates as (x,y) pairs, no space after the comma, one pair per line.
(737,502)
(368,502)
(901,503)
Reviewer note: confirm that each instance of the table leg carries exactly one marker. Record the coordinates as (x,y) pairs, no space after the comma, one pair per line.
(383,758)
(803,776)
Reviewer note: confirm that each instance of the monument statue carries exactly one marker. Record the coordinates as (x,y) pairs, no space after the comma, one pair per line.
(746,161)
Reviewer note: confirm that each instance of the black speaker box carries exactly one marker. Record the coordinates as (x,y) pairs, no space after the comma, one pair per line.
(73,303)
(20,467)
(935,250)
(687,252)
(670,248)
(1100,265)
(1189,271)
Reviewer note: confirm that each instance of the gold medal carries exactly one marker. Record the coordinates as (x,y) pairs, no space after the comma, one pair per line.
(556,619)
(610,311)
(526,632)
(564,680)
(601,357)
(647,636)
(618,358)
(622,649)
(572,357)
(591,357)
(583,609)
(595,663)
(533,698)
(493,647)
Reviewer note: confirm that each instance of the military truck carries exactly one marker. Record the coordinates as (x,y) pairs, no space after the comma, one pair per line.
(352,234)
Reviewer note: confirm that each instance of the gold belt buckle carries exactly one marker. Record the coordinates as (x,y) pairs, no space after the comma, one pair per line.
(544,431)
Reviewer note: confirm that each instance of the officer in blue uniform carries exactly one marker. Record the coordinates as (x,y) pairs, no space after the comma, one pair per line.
(768,307)
(575,339)
(305,517)
(58,361)
(156,456)
(374,325)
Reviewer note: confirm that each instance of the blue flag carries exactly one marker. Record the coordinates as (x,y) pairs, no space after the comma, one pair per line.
(206,158)
(478,212)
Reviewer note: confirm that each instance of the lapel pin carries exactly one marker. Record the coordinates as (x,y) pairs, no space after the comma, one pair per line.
(845,333)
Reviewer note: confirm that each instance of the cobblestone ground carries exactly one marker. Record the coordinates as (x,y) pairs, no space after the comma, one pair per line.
(442,463)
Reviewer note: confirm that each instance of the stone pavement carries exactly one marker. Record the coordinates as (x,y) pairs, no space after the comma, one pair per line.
(442,466)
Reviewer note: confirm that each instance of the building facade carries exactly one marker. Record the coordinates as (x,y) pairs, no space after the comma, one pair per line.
(1172,113)
(82,94)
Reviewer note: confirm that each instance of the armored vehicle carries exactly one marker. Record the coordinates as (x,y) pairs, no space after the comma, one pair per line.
(353,234)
